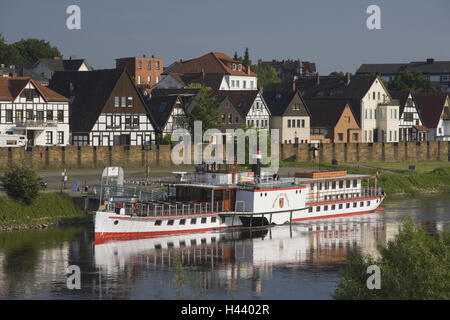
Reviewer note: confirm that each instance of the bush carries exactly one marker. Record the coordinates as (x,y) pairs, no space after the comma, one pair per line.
(21,182)
(412,266)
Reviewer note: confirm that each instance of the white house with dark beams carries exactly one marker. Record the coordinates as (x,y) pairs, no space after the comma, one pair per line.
(30,109)
(168,113)
(106,109)
(411,127)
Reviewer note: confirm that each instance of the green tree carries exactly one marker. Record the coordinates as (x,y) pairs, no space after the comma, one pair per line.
(337,74)
(246,61)
(266,76)
(21,182)
(205,110)
(413,82)
(23,51)
(413,266)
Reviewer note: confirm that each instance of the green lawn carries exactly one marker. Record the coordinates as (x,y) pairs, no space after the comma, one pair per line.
(401,167)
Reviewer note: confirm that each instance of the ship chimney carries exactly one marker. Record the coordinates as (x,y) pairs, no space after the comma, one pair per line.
(256,168)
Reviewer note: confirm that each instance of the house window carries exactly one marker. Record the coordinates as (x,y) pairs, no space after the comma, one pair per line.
(237,83)
(355,137)
(139,64)
(40,115)
(49,115)
(19,115)
(149,80)
(49,137)
(116,101)
(157,65)
(139,80)
(298,123)
(289,123)
(244,84)
(123,101)
(374,95)
(303,123)
(230,118)
(340,137)
(232,83)
(9,116)
(135,120)
(60,137)
(149,65)
(60,115)
(251,84)
(80,140)
(130,102)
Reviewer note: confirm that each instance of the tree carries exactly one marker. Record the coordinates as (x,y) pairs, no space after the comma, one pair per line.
(204,110)
(266,75)
(412,266)
(337,74)
(246,61)
(21,183)
(26,51)
(413,82)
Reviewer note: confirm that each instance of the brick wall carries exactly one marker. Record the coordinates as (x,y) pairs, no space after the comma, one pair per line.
(137,156)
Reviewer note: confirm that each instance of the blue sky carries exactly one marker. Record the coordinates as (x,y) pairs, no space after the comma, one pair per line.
(329,32)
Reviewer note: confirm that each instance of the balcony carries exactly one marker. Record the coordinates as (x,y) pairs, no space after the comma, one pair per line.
(392,102)
(36,124)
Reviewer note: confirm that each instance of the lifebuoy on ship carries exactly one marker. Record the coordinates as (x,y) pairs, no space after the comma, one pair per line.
(137,207)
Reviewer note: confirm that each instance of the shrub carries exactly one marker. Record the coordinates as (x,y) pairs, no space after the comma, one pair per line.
(21,182)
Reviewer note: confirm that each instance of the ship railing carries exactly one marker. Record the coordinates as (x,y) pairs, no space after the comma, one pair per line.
(340,194)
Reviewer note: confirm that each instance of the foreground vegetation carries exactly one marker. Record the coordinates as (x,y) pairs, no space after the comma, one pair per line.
(46,209)
(412,266)
(395,178)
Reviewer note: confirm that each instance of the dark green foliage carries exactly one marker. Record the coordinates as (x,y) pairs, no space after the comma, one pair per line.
(413,266)
(26,51)
(21,182)
(413,82)
(246,61)
(266,76)
(204,110)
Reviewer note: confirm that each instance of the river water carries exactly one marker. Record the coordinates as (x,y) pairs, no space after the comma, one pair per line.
(301,261)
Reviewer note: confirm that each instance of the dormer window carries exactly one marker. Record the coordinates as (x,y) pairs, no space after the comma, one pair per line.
(234,66)
(240,67)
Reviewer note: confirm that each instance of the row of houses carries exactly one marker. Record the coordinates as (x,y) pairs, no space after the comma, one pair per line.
(82,106)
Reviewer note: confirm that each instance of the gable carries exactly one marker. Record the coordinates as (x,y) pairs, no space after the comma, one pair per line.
(347,118)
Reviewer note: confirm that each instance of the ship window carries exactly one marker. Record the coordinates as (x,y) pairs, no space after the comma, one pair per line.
(310,209)
(333,207)
(158,222)
(355,183)
(347,183)
(203,241)
(116,222)
(261,194)
(182,221)
(355,204)
(368,203)
(213,219)
(325,208)
(311,186)
(223,219)
(158,246)
(333,185)
(182,244)
(341,184)
(203,220)
(347,205)
(193,242)
(340,206)
(170,222)
(317,208)
(193,221)
(361,204)
(169,244)
(213,240)
(265,194)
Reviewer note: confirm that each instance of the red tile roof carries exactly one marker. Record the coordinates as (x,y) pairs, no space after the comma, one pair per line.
(210,63)
(11,87)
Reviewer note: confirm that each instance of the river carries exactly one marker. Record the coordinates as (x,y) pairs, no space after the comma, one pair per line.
(301,261)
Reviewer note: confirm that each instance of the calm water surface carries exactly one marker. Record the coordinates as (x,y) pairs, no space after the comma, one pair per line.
(301,261)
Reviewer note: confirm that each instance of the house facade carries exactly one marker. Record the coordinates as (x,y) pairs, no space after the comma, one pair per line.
(146,71)
(290,116)
(376,112)
(47,67)
(411,127)
(106,108)
(435,112)
(30,109)
(333,121)
(218,70)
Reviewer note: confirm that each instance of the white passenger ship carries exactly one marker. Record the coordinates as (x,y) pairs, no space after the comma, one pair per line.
(217,197)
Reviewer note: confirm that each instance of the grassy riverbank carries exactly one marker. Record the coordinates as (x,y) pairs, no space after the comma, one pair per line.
(395,178)
(46,209)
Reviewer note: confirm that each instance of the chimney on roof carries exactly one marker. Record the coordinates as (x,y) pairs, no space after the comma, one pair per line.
(318,79)
(203,74)
(248,69)
(348,77)
(143,56)
(430,61)
(72,58)
(181,60)
(261,90)
(294,78)
(153,55)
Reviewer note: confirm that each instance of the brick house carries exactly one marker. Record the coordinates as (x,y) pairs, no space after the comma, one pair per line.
(146,71)
(332,120)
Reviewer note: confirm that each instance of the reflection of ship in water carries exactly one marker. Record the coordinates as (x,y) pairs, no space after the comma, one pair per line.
(225,258)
